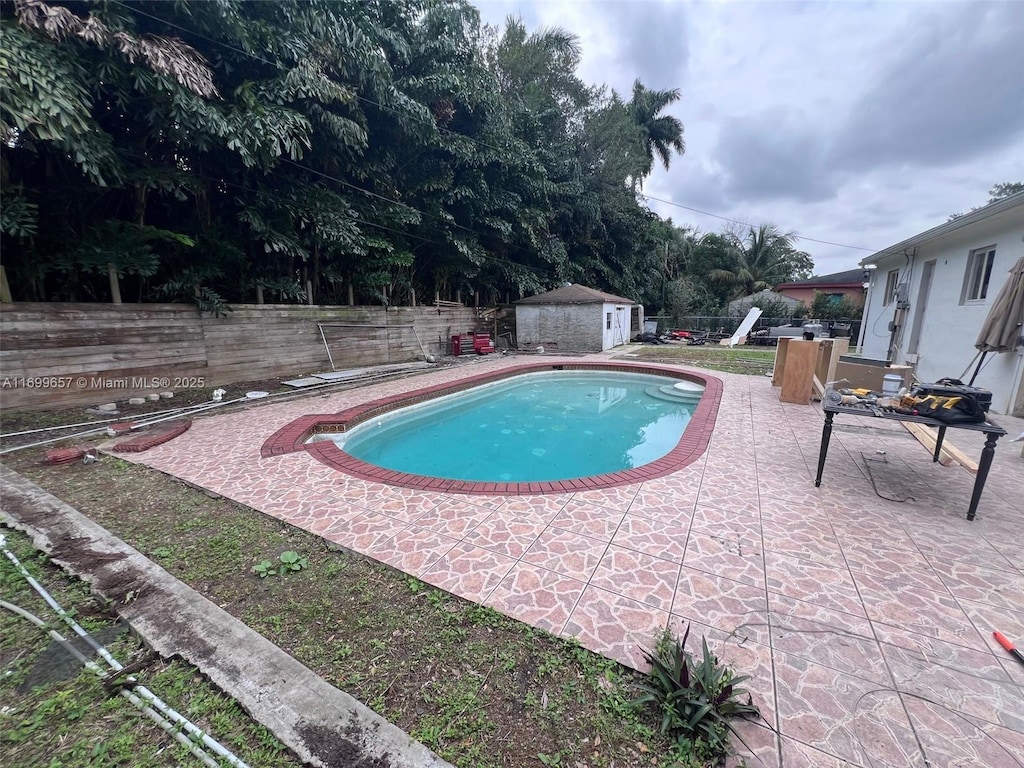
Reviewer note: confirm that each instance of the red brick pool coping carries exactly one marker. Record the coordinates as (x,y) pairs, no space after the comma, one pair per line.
(694,441)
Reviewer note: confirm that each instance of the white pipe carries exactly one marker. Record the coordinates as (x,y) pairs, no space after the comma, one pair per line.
(53,440)
(88,423)
(92,666)
(140,690)
(189,410)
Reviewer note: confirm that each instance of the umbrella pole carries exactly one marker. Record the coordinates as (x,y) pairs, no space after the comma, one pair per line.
(978,368)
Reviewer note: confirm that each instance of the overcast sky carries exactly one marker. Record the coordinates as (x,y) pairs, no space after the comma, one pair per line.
(857,123)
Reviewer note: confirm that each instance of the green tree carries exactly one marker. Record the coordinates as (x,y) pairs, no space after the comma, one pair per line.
(762,259)
(660,133)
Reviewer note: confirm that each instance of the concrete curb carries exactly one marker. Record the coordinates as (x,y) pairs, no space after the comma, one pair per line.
(323,725)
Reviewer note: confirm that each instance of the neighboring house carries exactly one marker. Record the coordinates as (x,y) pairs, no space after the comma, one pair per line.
(930,294)
(838,285)
(741,306)
(577,318)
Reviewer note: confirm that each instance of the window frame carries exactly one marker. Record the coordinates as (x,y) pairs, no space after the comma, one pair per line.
(978,275)
(892,281)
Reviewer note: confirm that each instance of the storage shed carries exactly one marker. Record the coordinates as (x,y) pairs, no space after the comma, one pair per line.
(576,318)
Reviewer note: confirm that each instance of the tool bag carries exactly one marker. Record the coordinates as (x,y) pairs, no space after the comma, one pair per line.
(957,409)
(956,388)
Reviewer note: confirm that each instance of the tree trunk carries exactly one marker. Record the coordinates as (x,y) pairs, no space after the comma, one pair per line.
(351,294)
(115,286)
(5,287)
(259,294)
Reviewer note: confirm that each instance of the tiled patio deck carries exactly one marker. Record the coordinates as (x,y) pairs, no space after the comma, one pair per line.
(866,623)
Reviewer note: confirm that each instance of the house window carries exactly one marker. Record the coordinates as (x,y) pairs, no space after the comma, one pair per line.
(834,299)
(608,321)
(890,287)
(979,270)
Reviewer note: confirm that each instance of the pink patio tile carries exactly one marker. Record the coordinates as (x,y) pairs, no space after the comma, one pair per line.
(453,517)
(570,554)
(786,611)
(363,531)
(980,688)
(653,538)
(469,572)
(726,554)
(842,715)
(541,508)
(876,556)
(798,755)
(988,619)
(540,597)
(589,519)
(641,577)
(505,534)
(1003,588)
(934,614)
(614,498)
(830,646)
(822,585)
(721,603)
(819,548)
(950,740)
(674,509)
(615,626)
(763,746)
(413,549)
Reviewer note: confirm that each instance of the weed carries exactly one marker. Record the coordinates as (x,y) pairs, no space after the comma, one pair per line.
(695,698)
(264,568)
(288,561)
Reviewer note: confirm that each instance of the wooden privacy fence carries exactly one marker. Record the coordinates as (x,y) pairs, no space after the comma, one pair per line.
(84,354)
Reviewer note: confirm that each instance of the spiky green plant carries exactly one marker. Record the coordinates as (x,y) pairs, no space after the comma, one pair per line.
(696,699)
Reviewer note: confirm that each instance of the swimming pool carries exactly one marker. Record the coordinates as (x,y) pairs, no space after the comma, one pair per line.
(542,426)
(296,435)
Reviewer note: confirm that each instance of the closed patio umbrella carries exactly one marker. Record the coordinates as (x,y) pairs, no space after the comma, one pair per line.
(1004,325)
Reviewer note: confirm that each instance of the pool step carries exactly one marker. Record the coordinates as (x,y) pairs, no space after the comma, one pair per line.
(675,394)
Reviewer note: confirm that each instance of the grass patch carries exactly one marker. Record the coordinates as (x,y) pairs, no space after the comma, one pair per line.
(753,361)
(482,690)
(76,721)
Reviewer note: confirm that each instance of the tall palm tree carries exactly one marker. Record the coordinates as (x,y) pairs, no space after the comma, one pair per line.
(661,133)
(763,259)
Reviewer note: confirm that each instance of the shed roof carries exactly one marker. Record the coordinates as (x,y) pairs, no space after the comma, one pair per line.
(575,294)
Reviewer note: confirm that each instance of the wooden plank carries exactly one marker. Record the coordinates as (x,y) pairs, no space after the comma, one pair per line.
(798,373)
(781,352)
(949,454)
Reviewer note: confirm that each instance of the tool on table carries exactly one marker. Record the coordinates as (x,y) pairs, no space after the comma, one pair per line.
(1002,640)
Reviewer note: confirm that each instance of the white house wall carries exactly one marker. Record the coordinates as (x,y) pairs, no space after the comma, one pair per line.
(949,330)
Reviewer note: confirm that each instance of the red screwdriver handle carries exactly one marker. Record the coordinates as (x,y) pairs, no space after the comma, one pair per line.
(1003,641)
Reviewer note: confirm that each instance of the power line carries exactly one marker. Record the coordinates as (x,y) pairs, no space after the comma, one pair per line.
(748,224)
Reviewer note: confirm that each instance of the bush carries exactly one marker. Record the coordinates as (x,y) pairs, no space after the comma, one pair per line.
(695,698)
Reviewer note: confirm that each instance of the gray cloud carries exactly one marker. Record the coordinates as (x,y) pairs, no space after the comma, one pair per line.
(773,154)
(652,43)
(954,91)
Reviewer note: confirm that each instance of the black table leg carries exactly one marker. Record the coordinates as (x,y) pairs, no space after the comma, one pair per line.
(826,436)
(983,467)
(938,443)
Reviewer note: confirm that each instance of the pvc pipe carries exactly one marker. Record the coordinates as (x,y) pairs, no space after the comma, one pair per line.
(140,690)
(53,440)
(189,410)
(89,664)
(88,423)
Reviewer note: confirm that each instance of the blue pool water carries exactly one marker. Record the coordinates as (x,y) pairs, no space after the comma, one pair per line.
(530,428)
